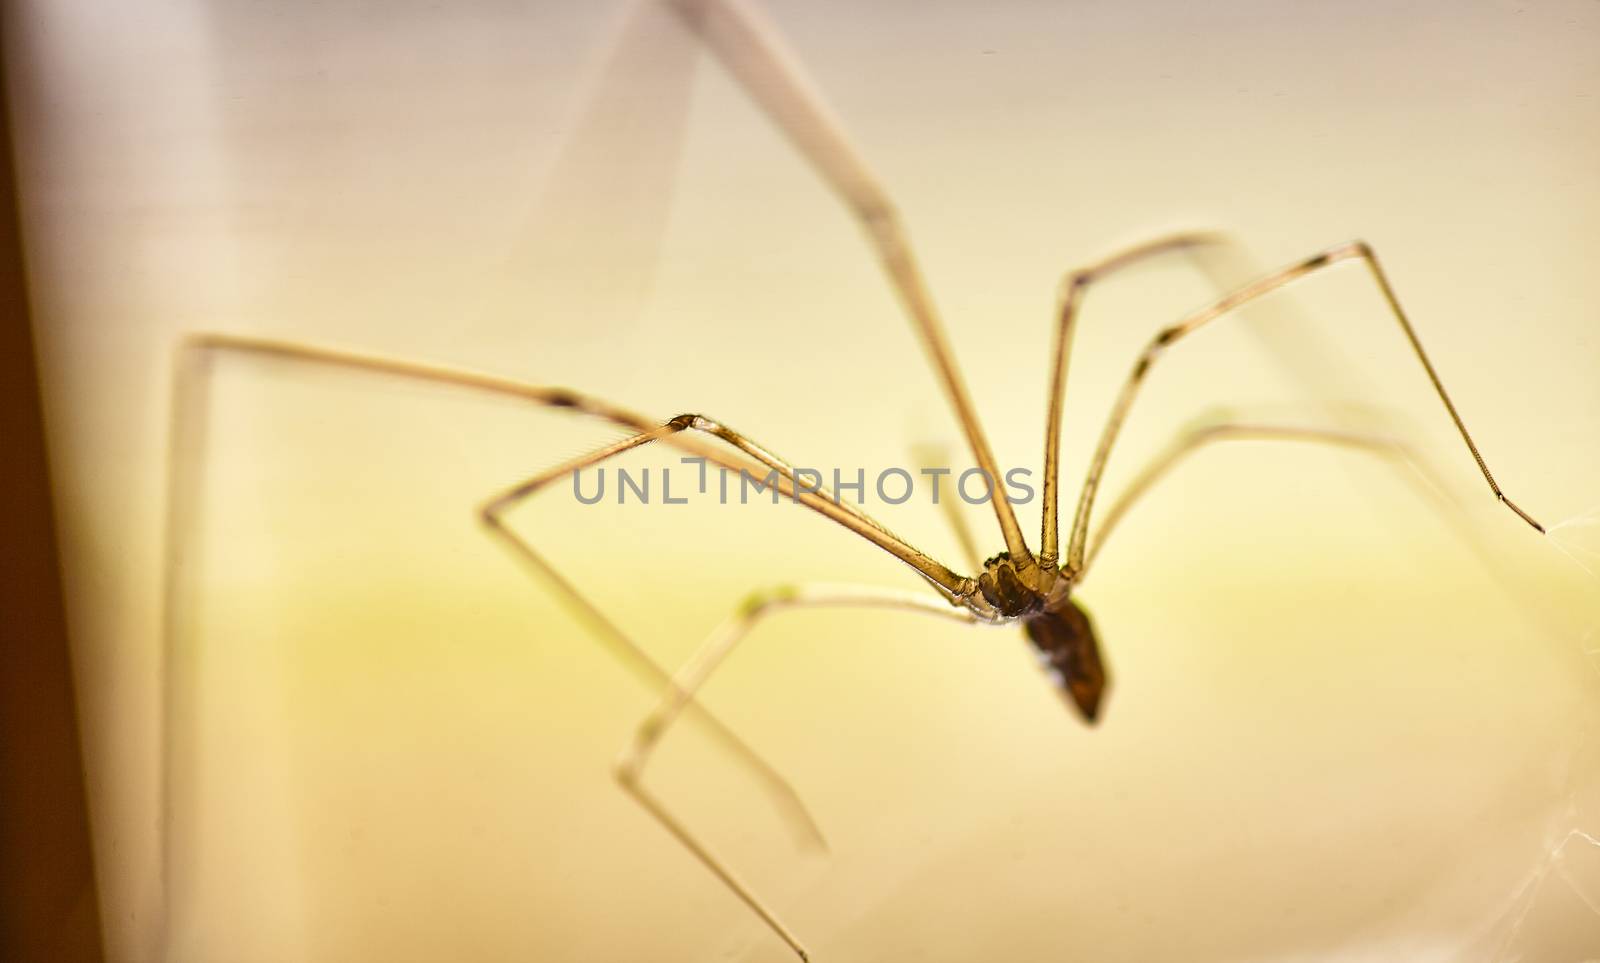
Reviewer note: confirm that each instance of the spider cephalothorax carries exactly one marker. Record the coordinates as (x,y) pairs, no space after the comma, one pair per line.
(1014,591)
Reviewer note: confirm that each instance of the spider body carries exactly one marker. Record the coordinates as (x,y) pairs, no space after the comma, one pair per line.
(1040,597)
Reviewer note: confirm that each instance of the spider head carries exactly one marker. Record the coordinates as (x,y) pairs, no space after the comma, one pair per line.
(1064,640)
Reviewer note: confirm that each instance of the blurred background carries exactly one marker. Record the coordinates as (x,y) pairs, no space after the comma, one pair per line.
(1344,723)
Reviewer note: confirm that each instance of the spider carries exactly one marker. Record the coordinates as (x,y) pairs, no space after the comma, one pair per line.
(1035,589)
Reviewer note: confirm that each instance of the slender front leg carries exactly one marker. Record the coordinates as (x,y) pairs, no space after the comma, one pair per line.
(186,464)
(955,587)
(1355,250)
(752,52)
(693,676)
(492,512)
(1073,289)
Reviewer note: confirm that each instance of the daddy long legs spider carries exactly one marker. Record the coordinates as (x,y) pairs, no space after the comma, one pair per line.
(1032,587)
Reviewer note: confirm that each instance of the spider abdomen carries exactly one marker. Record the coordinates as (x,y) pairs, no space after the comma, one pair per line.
(1064,639)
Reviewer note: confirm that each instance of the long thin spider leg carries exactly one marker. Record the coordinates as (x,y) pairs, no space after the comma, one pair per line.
(781,475)
(935,457)
(1354,250)
(185,463)
(1069,299)
(694,675)
(1188,442)
(752,52)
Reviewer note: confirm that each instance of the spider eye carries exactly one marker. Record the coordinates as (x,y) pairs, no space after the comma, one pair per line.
(1065,640)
